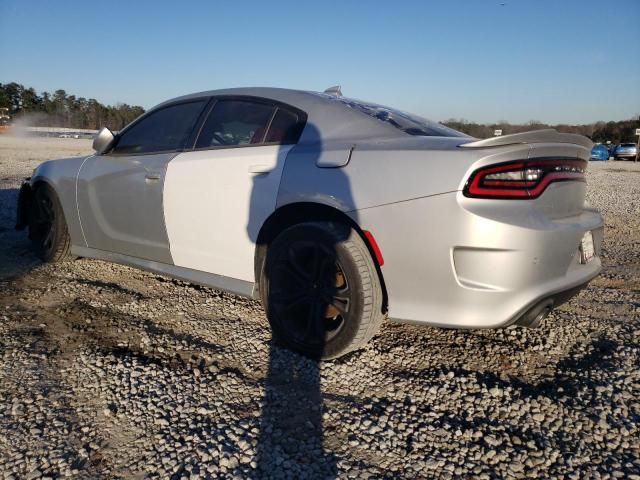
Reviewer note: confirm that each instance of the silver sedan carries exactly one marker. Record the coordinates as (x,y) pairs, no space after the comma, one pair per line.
(336,213)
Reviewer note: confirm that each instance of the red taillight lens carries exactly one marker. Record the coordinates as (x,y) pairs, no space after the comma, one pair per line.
(523,179)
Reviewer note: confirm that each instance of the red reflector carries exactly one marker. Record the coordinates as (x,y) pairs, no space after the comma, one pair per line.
(374,247)
(523,179)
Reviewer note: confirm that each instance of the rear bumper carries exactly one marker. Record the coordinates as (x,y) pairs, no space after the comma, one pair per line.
(462,263)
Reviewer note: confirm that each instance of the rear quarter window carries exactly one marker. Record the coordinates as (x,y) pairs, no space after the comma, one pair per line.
(406,122)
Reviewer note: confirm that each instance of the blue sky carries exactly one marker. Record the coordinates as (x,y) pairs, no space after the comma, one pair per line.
(548,60)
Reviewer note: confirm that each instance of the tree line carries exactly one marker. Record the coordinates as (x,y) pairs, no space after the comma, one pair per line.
(59,109)
(622,131)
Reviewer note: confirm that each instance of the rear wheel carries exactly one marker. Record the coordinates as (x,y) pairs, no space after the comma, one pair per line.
(321,290)
(48,228)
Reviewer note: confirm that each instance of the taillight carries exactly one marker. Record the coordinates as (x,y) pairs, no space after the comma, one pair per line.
(523,179)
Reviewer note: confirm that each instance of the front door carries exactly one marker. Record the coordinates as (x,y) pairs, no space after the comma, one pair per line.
(120,193)
(120,205)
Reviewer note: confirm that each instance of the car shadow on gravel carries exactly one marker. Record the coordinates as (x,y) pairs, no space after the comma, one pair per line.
(112,288)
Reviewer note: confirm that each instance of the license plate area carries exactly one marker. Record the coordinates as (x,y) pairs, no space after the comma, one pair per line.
(587,250)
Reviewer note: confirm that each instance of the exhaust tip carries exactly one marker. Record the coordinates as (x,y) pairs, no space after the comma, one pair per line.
(535,323)
(534,317)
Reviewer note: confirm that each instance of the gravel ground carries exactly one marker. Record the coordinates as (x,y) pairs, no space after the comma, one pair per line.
(110,372)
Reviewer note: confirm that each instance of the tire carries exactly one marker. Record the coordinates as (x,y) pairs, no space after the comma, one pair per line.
(48,227)
(321,290)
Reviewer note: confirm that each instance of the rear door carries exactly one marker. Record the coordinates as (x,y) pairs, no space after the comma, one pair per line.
(217,196)
(120,193)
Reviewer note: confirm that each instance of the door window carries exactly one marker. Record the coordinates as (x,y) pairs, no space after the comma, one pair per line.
(160,131)
(235,122)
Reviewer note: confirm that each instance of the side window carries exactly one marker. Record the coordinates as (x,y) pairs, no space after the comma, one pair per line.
(285,128)
(235,122)
(162,130)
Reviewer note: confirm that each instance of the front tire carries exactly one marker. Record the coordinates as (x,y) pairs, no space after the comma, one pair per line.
(321,290)
(48,227)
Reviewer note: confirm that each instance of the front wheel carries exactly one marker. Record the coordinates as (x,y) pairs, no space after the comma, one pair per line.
(321,290)
(47,226)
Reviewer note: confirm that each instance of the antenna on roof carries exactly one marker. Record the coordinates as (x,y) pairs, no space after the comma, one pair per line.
(335,91)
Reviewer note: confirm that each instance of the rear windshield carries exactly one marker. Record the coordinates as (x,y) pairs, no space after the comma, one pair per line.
(407,122)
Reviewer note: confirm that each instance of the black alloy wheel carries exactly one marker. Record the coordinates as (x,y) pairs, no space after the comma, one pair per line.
(321,290)
(47,226)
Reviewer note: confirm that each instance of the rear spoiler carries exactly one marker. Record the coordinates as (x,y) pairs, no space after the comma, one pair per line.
(537,136)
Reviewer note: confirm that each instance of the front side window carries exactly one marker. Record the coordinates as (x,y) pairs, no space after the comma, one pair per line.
(235,122)
(163,130)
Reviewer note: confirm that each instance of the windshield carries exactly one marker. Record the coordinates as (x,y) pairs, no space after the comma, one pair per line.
(407,122)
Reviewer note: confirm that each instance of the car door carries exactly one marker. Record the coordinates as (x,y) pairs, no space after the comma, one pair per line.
(120,193)
(217,196)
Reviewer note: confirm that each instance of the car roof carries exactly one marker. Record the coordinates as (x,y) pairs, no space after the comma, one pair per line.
(327,120)
(284,95)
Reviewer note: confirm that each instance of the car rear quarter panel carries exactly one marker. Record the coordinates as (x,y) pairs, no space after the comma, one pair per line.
(376,173)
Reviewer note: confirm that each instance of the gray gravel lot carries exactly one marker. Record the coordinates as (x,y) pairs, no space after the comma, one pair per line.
(110,372)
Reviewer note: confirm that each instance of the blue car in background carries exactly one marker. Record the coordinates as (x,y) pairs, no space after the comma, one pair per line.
(599,152)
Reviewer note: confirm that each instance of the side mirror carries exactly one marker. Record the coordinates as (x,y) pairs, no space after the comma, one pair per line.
(103,141)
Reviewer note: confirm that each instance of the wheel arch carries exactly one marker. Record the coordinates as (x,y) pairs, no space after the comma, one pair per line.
(25,200)
(294,213)
(40,181)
